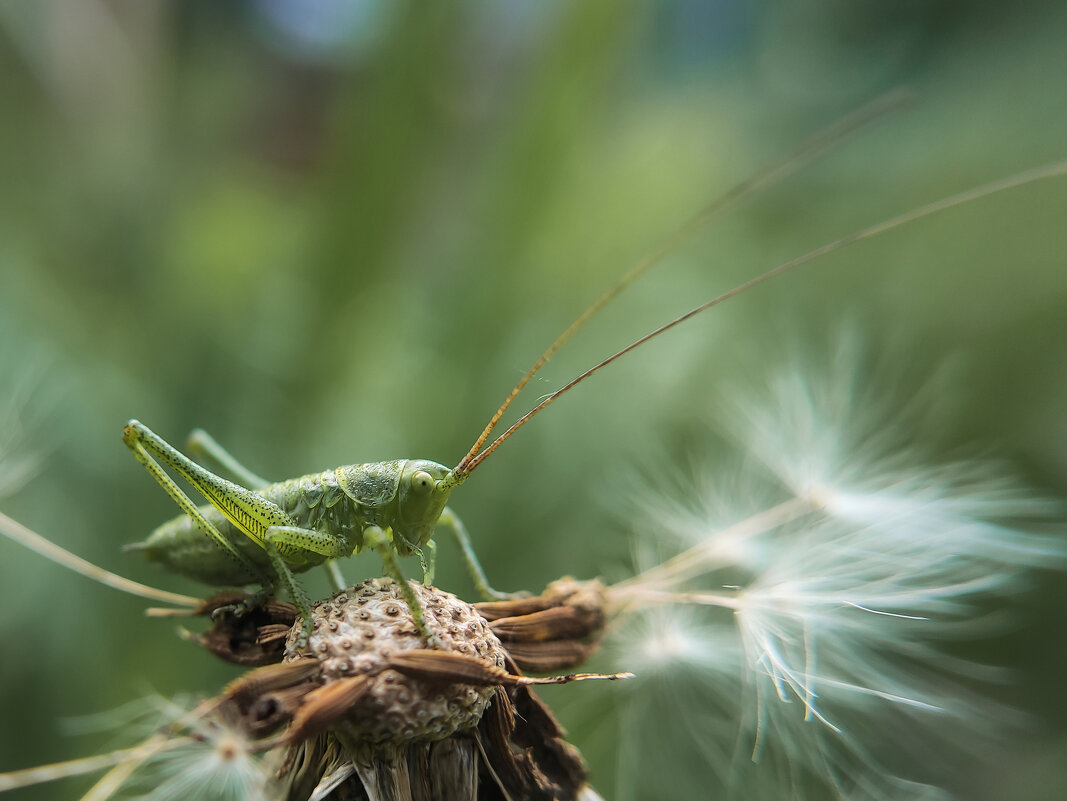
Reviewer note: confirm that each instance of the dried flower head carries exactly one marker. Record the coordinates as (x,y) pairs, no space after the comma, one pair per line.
(363,710)
(365,706)
(359,634)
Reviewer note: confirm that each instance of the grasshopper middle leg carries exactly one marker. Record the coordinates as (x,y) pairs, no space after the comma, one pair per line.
(206,450)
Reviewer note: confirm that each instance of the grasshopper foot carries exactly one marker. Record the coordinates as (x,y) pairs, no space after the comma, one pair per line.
(495,595)
(237,610)
(302,637)
(243,607)
(434,642)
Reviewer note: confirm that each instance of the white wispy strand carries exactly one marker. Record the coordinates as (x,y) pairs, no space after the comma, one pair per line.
(840,597)
(20,412)
(215,762)
(191,752)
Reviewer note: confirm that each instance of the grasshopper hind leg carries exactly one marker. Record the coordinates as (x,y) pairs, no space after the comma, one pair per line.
(141,442)
(258,518)
(206,450)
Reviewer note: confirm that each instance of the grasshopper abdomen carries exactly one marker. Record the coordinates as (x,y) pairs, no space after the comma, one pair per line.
(314,501)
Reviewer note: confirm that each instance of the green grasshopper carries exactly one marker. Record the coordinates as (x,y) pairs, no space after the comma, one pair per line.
(266,534)
(263,532)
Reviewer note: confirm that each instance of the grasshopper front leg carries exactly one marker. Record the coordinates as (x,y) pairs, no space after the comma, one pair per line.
(374,537)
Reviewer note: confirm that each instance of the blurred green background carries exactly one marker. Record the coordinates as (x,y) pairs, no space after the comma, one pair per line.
(332,232)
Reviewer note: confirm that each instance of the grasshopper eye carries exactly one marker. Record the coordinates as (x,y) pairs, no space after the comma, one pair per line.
(422,482)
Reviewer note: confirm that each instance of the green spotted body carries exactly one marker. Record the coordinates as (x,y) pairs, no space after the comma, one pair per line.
(314,501)
(340,502)
(266,534)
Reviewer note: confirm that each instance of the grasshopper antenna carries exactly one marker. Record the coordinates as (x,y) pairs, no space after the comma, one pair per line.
(1055,170)
(778,171)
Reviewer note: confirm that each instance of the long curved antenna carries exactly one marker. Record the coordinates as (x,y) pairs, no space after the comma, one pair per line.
(806,152)
(1030,176)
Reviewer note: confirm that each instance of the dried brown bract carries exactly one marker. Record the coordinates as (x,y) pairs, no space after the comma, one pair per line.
(556,630)
(253,637)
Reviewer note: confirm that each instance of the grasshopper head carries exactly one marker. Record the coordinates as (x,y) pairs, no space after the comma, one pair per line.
(422,494)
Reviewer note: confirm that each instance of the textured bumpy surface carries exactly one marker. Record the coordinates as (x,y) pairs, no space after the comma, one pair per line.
(358,630)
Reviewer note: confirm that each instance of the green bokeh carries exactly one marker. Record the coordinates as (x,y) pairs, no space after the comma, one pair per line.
(348,252)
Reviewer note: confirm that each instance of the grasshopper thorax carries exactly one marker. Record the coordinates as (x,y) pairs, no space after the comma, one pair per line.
(407,495)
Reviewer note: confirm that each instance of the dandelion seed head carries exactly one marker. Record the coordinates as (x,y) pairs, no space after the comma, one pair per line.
(668,644)
(217,763)
(190,752)
(664,640)
(848,587)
